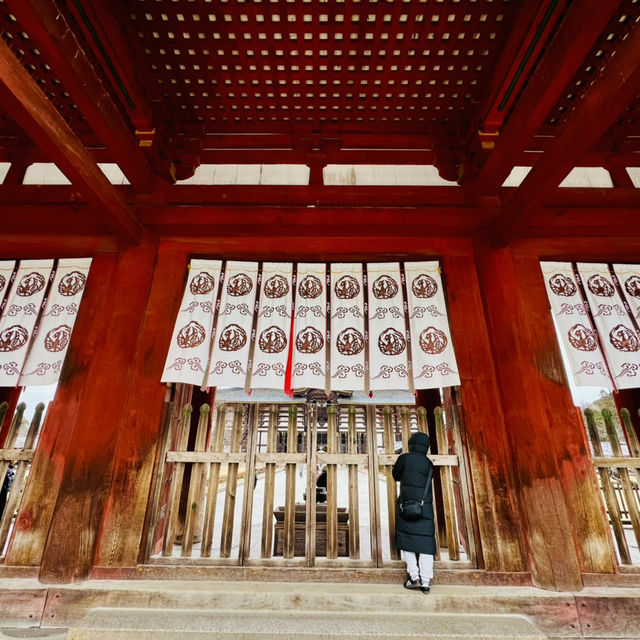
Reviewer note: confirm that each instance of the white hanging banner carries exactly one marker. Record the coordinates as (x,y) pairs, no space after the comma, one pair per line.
(6,269)
(231,347)
(49,348)
(433,359)
(617,333)
(309,359)
(585,361)
(629,278)
(19,317)
(347,328)
(273,332)
(388,364)
(189,351)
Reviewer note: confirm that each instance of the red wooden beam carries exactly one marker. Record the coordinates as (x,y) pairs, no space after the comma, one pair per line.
(25,102)
(608,96)
(54,37)
(584,22)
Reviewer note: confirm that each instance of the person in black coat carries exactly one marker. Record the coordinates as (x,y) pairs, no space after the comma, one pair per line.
(416,539)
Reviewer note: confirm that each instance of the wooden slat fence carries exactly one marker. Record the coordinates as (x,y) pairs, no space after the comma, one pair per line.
(619,478)
(251,467)
(15,463)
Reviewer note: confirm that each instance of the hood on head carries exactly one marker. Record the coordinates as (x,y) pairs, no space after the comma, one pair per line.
(419,442)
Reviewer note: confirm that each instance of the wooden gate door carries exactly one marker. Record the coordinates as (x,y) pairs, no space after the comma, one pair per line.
(299,485)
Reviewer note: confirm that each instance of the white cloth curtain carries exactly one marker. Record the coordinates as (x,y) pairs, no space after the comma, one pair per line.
(347,327)
(19,317)
(231,347)
(585,360)
(271,349)
(629,277)
(6,269)
(47,354)
(309,363)
(617,333)
(187,359)
(433,358)
(388,365)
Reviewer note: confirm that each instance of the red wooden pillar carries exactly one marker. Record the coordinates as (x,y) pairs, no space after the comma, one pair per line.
(484,427)
(564,526)
(121,536)
(89,416)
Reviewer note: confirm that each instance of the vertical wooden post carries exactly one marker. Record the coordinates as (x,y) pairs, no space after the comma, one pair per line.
(232,486)
(269,485)
(392,493)
(54,448)
(567,436)
(137,436)
(332,484)
(500,547)
(288,547)
(354,510)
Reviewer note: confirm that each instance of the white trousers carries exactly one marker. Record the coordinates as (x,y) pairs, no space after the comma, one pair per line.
(419,566)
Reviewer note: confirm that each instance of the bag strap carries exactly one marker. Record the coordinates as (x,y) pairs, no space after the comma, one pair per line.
(426,488)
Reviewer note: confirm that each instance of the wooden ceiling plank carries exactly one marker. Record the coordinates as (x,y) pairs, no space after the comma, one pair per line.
(25,102)
(575,37)
(616,87)
(51,33)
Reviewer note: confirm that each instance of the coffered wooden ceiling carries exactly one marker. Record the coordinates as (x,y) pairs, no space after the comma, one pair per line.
(475,87)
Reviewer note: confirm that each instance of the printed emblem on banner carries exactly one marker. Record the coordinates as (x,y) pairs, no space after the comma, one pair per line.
(276,287)
(272,340)
(391,342)
(347,288)
(2,282)
(232,338)
(582,338)
(433,341)
(239,285)
(72,283)
(350,342)
(384,287)
(600,286)
(58,338)
(632,286)
(30,283)
(309,340)
(623,338)
(12,338)
(310,287)
(202,284)
(424,286)
(191,335)
(562,285)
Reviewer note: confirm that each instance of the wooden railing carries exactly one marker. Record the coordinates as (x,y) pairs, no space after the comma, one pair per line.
(14,467)
(619,477)
(232,489)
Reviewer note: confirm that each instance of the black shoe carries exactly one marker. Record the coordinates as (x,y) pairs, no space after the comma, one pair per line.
(411,584)
(425,589)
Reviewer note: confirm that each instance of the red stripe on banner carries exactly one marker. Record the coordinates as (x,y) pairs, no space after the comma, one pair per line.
(288,374)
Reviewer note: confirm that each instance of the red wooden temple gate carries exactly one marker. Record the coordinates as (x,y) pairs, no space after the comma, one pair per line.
(159,90)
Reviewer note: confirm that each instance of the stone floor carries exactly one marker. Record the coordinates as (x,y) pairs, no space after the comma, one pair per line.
(226,610)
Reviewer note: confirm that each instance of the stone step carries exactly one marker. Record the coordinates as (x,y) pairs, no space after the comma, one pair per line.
(148,624)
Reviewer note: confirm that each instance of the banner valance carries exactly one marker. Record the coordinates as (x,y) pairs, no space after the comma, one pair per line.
(40,301)
(342,326)
(596,308)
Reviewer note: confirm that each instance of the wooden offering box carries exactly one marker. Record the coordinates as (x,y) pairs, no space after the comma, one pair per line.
(321,530)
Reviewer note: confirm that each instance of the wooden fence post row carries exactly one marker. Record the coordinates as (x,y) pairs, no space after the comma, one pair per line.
(16,461)
(619,477)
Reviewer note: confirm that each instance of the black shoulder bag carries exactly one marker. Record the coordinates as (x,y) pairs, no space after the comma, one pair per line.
(412,509)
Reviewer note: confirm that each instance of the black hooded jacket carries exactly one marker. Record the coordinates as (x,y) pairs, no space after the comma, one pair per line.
(411,470)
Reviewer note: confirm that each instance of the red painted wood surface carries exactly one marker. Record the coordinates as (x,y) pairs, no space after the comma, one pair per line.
(89,457)
(542,438)
(126,506)
(483,422)
(52,453)
(568,437)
